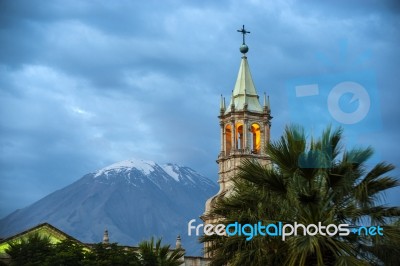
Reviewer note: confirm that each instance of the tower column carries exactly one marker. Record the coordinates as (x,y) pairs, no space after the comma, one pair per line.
(246,134)
(264,134)
(262,140)
(222,137)
(267,132)
(233,125)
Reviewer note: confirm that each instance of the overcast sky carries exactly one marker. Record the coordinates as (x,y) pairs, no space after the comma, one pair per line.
(84,84)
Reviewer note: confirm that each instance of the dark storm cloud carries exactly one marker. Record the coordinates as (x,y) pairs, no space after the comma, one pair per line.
(87,83)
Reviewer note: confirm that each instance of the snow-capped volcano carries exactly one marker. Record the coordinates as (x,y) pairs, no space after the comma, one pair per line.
(134,199)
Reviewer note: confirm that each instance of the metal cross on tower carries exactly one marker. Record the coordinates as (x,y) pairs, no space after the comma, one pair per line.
(244,32)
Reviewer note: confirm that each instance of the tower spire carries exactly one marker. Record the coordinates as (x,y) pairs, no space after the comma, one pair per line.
(244,132)
(244,95)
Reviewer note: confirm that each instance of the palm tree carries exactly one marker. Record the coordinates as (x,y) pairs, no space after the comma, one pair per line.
(30,250)
(156,255)
(309,182)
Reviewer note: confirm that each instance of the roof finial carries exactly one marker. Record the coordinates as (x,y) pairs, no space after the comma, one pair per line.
(265,100)
(244,32)
(178,244)
(106,240)
(232,103)
(244,48)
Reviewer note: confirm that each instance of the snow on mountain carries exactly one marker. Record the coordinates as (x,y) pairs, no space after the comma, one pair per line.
(134,199)
(145,166)
(171,170)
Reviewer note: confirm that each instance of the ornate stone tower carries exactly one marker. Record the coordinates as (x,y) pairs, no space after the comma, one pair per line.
(245,129)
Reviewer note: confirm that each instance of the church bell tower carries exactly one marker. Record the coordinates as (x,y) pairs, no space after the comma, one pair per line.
(245,129)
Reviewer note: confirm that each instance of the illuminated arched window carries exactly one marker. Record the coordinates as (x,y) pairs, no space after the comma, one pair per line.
(228,139)
(239,136)
(256,138)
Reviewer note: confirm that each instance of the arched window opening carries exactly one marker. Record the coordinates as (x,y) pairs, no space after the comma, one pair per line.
(256,138)
(239,136)
(228,139)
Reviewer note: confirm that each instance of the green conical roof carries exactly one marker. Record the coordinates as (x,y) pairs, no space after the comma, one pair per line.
(245,91)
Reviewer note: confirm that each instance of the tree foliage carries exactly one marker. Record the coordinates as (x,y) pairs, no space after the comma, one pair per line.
(111,254)
(31,250)
(38,250)
(66,253)
(309,181)
(153,254)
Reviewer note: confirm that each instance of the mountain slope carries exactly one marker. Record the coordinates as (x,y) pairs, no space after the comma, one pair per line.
(133,199)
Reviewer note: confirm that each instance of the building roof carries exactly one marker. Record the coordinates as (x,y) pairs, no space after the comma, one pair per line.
(55,234)
(244,92)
